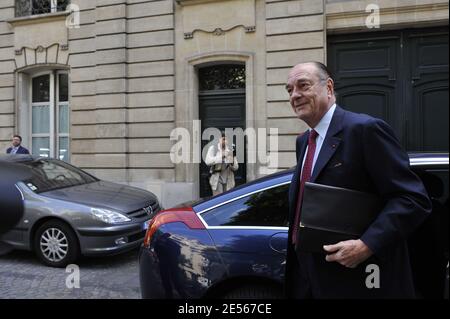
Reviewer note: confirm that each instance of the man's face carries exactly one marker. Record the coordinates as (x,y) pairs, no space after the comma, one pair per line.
(15,141)
(309,96)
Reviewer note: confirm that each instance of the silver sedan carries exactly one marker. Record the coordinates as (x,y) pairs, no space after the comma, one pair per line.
(69,213)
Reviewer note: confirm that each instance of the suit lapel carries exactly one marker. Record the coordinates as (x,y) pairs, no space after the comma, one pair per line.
(330,144)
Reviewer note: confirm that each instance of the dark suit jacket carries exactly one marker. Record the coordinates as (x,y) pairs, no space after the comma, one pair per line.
(21,150)
(362,153)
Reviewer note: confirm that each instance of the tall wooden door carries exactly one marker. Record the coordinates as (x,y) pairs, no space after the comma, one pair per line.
(400,77)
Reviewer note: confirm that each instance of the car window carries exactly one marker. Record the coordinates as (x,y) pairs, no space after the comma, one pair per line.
(265,208)
(51,174)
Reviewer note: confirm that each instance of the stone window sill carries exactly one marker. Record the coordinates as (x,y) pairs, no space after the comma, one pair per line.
(193,2)
(38,18)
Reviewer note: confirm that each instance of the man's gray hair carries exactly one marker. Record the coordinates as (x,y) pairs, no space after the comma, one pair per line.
(323,72)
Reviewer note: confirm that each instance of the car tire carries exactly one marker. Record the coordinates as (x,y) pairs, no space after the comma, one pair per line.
(56,244)
(253,291)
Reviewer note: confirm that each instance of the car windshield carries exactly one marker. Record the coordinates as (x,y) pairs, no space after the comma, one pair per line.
(49,175)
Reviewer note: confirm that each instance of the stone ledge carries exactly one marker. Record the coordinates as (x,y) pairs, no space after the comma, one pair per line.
(193,2)
(39,18)
(432,14)
(336,13)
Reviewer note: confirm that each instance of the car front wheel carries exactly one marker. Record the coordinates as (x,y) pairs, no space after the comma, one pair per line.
(56,244)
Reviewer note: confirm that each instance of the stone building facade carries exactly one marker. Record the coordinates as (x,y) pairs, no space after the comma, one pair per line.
(104,87)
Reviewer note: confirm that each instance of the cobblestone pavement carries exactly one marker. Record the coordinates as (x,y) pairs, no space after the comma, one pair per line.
(23,276)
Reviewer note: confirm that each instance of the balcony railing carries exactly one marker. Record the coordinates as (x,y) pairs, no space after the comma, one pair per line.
(33,7)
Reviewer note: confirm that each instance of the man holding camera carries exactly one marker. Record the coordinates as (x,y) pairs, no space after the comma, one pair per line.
(222,164)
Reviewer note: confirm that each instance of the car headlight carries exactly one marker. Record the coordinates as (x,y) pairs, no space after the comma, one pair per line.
(108,216)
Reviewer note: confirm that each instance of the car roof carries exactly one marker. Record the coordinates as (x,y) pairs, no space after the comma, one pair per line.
(19,158)
(416,159)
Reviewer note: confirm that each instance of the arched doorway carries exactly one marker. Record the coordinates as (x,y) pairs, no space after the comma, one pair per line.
(221,105)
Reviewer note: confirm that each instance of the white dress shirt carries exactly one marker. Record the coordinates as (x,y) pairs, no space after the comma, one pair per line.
(321,129)
(14,150)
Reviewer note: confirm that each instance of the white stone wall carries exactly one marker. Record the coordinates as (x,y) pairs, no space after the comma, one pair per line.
(350,16)
(295,33)
(7,78)
(122,63)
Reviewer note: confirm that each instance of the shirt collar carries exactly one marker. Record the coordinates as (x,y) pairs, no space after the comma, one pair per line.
(324,123)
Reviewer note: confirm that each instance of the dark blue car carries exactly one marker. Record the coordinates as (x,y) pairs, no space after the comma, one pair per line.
(233,245)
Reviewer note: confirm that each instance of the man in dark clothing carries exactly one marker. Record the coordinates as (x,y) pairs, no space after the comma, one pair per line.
(16,148)
(359,152)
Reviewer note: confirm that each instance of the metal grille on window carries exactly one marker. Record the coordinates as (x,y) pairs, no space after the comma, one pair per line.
(33,7)
(222,77)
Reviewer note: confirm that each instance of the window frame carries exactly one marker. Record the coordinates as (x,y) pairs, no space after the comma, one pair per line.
(58,103)
(53,103)
(51,111)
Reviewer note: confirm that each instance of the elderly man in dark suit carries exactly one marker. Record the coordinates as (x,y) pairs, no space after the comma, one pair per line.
(359,152)
(16,148)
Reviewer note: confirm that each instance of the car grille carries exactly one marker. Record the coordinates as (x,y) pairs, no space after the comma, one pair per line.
(141,213)
(136,236)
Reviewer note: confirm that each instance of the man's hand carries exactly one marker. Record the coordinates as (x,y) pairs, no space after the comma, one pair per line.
(349,253)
